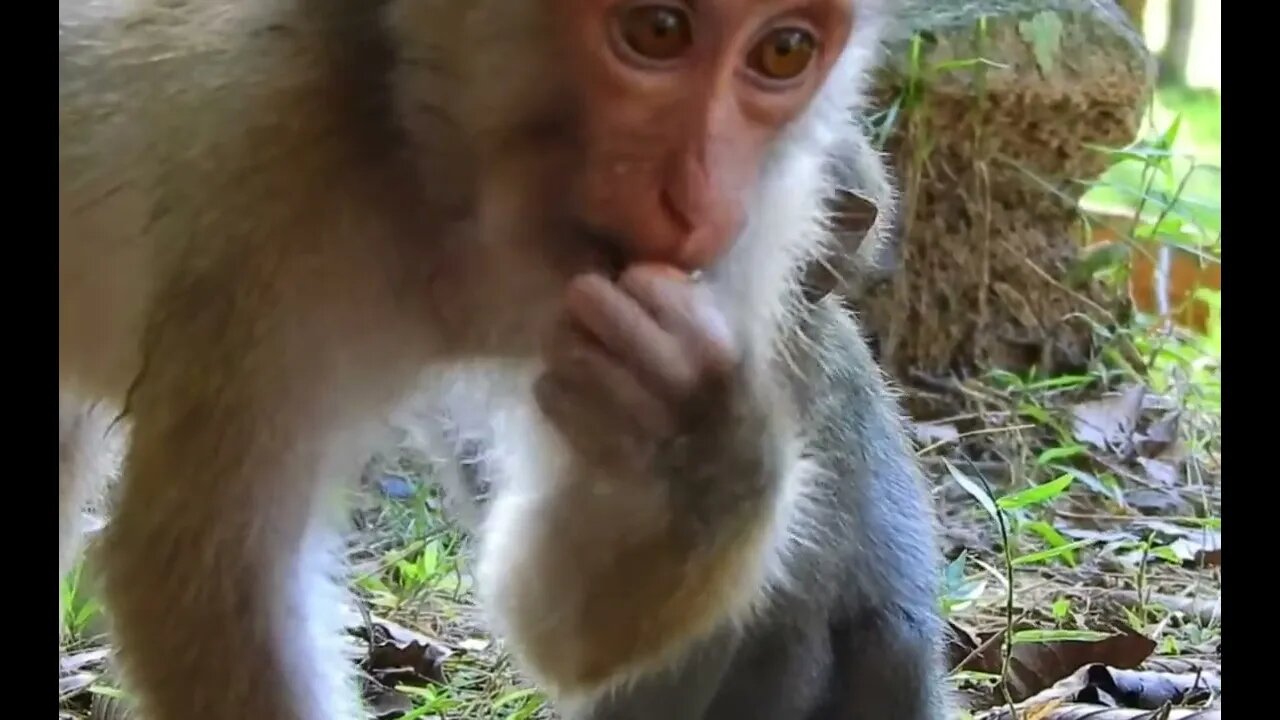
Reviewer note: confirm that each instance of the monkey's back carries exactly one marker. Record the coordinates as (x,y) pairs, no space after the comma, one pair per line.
(178,124)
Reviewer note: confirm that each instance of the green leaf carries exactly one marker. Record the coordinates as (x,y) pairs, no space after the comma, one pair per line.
(955,571)
(1044,636)
(1036,494)
(1043,33)
(1059,382)
(1052,537)
(1035,412)
(1102,256)
(1059,453)
(973,489)
(1038,557)
(1060,608)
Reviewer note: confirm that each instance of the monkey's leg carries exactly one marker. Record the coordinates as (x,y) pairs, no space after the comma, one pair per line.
(781,669)
(215,566)
(215,577)
(685,689)
(888,666)
(85,461)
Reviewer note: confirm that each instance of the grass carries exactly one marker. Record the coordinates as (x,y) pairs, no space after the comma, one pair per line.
(1195,164)
(1059,533)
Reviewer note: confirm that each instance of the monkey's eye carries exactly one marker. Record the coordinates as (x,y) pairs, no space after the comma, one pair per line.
(783,54)
(657,32)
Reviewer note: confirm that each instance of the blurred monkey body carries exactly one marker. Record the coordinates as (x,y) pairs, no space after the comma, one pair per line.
(852,631)
(279,218)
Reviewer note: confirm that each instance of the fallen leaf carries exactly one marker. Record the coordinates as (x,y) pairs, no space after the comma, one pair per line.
(929,433)
(1147,690)
(71,685)
(1198,552)
(1044,711)
(1158,501)
(79,661)
(1109,423)
(1160,437)
(388,704)
(395,656)
(1036,666)
(474,644)
(1160,471)
(1098,691)
(1077,711)
(961,642)
(412,664)
(1209,558)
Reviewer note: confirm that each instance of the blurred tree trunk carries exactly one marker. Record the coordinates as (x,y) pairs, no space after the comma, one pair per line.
(1177,46)
(1136,10)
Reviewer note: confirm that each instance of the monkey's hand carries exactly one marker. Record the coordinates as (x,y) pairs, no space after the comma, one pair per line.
(658,524)
(638,367)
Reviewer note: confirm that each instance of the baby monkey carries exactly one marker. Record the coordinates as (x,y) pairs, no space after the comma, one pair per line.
(281,218)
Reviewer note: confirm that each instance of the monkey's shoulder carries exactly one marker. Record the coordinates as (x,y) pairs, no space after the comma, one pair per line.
(182,63)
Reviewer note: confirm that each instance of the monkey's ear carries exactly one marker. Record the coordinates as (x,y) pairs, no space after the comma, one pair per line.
(853,218)
(855,214)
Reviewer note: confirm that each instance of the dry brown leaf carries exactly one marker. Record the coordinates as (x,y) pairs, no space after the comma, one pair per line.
(1161,437)
(1161,472)
(1209,558)
(1093,712)
(1145,689)
(71,685)
(929,433)
(1042,712)
(387,704)
(1109,423)
(78,661)
(395,656)
(1036,666)
(1095,691)
(1160,501)
(394,664)
(1193,552)
(961,643)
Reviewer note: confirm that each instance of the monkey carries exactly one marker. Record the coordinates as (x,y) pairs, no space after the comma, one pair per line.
(852,634)
(865,252)
(279,217)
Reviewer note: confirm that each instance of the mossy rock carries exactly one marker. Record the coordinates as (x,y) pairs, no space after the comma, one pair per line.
(991,158)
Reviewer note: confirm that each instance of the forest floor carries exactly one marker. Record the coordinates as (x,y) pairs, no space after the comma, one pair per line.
(1080,519)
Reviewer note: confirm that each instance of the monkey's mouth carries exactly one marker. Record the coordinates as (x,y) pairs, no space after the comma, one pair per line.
(601,250)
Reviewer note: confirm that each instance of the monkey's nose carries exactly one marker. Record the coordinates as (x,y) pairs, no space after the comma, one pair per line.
(686,193)
(700,214)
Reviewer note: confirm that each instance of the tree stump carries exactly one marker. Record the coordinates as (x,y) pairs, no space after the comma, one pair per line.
(991,158)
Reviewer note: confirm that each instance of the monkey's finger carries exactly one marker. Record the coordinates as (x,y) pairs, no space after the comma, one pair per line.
(584,365)
(588,422)
(687,310)
(627,331)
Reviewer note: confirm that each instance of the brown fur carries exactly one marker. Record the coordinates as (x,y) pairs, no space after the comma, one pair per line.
(275,216)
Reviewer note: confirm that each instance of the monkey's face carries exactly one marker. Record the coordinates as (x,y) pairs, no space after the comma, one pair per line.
(678,105)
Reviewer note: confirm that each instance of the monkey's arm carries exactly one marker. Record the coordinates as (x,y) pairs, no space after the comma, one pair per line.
(601,573)
(886,631)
